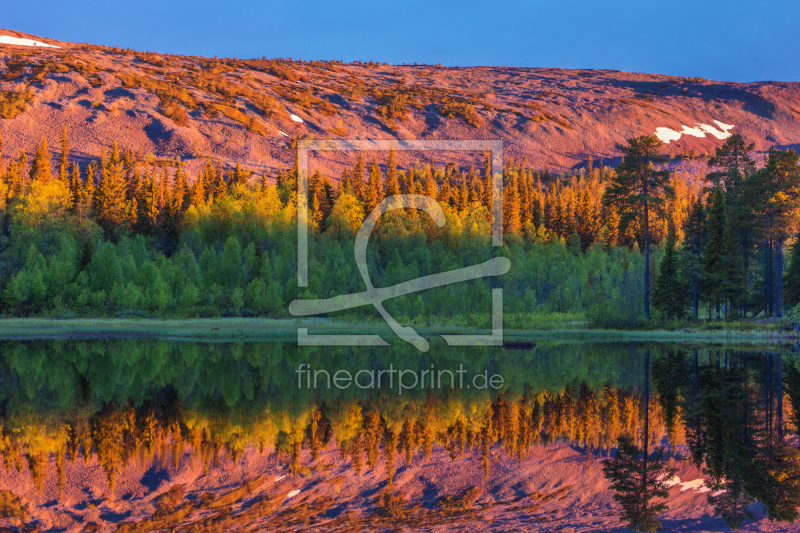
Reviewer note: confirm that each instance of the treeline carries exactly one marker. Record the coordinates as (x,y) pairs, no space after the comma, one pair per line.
(731,255)
(126,236)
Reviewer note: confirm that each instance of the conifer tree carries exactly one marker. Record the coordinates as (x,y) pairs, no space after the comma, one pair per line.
(374,194)
(692,252)
(40,165)
(197,193)
(639,187)
(638,477)
(668,295)
(791,278)
(75,187)
(63,170)
(358,177)
(109,196)
(734,163)
(391,185)
(715,249)
(732,287)
(345,184)
(780,206)
(487,184)
(431,187)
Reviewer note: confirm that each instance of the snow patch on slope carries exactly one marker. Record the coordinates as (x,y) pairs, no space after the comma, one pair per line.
(8,39)
(295,118)
(698,130)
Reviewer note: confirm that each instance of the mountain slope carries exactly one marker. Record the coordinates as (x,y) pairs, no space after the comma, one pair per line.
(249,111)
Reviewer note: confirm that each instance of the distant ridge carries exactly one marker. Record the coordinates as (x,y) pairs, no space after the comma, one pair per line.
(251,111)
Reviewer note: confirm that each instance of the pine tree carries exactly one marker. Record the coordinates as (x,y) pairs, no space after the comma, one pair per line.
(511,207)
(488,182)
(715,249)
(109,196)
(391,185)
(639,187)
(63,170)
(345,183)
(780,207)
(734,163)
(732,280)
(197,193)
(668,295)
(692,251)
(359,185)
(374,194)
(791,278)
(637,478)
(40,165)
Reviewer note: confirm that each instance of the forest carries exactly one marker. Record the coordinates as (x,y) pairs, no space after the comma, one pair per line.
(131,235)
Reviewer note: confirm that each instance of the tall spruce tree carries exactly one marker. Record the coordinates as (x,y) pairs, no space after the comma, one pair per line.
(780,207)
(691,253)
(391,185)
(791,278)
(638,187)
(715,249)
(63,169)
(669,293)
(40,165)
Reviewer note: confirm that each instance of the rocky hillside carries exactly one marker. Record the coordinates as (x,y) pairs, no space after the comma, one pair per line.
(251,110)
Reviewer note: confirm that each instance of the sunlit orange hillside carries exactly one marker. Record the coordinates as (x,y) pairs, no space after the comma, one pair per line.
(251,110)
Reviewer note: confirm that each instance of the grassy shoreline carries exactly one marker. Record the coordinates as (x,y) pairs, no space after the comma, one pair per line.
(286,329)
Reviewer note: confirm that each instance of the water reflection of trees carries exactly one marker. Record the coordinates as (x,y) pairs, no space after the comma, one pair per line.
(163,402)
(734,415)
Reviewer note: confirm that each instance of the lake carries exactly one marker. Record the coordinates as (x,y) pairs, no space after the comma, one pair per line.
(94,429)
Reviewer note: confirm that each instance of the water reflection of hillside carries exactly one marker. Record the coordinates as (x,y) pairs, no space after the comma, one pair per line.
(120,404)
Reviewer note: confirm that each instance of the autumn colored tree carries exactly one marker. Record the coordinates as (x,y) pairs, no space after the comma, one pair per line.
(40,164)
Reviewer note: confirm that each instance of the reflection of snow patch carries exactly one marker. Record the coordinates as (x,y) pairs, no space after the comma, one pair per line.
(292,494)
(295,118)
(7,39)
(698,130)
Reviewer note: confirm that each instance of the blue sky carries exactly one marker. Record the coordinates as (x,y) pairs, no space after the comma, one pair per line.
(725,40)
